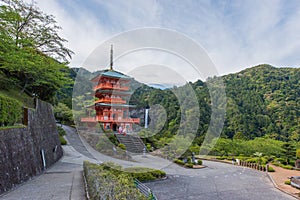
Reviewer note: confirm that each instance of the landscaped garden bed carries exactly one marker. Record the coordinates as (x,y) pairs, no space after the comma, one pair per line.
(111,181)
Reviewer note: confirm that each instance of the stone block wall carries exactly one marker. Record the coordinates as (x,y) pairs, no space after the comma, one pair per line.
(21,148)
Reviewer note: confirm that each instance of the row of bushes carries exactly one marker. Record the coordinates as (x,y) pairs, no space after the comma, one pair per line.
(110,181)
(282,165)
(280,162)
(10,111)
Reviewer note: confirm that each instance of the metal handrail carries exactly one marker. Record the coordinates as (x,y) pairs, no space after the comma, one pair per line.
(144,190)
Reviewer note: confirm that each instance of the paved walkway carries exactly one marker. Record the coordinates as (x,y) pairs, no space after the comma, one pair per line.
(218,181)
(62,181)
(281,175)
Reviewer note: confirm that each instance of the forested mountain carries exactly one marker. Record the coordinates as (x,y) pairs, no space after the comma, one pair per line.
(261,101)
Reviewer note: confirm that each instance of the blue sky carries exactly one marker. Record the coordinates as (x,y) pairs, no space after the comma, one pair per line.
(235,34)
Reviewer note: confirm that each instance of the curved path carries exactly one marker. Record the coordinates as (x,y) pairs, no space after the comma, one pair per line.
(218,181)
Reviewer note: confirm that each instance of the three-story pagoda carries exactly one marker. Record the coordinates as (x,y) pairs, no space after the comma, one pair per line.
(111,89)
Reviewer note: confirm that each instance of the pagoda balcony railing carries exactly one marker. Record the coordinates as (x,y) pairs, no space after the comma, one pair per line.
(111,100)
(110,86)
(110,119)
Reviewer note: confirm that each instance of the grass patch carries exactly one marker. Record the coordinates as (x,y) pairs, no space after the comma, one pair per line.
(11,127)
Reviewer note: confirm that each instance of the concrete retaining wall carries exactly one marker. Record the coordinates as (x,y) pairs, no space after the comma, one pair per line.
(21,148)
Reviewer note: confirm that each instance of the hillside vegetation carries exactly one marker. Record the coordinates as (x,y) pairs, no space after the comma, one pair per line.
(33,58)
(261,101)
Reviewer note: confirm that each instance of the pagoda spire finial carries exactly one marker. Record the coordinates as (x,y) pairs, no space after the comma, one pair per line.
(111,58)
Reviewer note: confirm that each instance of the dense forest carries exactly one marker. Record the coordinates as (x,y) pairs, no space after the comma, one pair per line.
(261,101)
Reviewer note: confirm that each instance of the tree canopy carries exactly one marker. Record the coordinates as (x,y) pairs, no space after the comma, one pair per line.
(32,53)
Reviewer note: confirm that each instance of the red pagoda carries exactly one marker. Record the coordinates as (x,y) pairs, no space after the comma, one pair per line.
(111,89)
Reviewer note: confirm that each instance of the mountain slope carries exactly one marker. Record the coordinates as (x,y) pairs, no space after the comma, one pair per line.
(263,100)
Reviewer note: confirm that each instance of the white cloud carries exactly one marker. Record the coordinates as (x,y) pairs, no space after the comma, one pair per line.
(235,35)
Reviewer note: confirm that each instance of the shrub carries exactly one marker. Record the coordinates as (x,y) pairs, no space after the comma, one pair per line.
(122,146)
(298,153)
(287,182)
(149,147)
(179,162)
(271,169)
(251,160)
(220,158)
(63,141)
(61,131)
(199,162)
(189,165)
(10,111)
(280,160)
(287,167)
(112,138)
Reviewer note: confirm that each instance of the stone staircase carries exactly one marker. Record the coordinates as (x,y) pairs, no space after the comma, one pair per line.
(133,143)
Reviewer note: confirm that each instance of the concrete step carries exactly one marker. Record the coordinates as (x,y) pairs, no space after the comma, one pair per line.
(133,143)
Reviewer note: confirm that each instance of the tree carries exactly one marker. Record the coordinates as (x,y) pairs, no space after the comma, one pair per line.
(289,152)
(31,51)
(63,113)
(30,27)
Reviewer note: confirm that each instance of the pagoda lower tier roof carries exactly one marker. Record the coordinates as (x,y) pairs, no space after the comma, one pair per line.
(114,105)
(113,91)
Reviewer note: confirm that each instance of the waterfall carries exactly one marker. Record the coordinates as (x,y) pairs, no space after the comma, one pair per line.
(146,117)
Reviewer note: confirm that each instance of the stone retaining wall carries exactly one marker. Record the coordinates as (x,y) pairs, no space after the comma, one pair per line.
(21,149)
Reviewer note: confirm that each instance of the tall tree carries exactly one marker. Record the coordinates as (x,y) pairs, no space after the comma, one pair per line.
(31,51)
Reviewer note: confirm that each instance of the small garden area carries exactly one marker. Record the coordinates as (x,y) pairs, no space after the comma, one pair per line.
(111,181)
(189,162)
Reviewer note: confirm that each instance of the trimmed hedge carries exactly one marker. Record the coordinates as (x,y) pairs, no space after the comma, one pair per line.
(10,111)
(145,174)
(104,181)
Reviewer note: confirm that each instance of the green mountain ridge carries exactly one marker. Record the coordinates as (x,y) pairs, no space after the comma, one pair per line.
(261,101)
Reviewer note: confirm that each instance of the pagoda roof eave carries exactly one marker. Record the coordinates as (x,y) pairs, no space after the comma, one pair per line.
(113,91)
(114,105)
